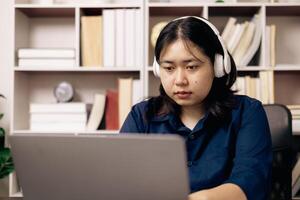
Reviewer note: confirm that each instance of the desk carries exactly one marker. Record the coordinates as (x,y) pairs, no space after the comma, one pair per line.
(10,198)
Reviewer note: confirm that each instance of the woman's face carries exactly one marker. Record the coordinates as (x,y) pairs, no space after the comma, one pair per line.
(186,73)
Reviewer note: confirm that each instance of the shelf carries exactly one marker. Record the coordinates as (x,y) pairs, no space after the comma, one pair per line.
(76,69)
(116,5)
(80,5)
(283,10)
(175,11)
(288,68)
(47,11)
(17,194)
(253,68)
(233,11)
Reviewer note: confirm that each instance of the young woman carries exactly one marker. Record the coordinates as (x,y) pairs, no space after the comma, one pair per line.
(227,136)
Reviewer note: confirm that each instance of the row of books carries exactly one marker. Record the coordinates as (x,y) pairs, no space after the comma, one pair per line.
(260,87)
(243,39)
(270,44)
(44,57)
(295,110)
(58,117)
(296,178)
(112,39)
(108,110)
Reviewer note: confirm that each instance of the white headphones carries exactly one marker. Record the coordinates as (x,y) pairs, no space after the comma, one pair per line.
(222,65)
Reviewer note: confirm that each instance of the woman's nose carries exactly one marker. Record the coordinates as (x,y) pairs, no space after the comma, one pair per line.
(180,78)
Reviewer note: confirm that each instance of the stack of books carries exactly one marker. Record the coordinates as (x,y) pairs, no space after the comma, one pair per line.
(295,110)
(58,117)
(243,39)
(48,57)
(113,39)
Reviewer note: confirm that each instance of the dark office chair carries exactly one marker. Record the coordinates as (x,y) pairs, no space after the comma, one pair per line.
(280,121)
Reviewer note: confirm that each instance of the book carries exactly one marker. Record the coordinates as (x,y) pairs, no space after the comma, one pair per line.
(91,41)
(271,90)
(137,91)
(130,38)
(273,45)
(57,126)
(45,53)
(244,43)
(296,171)
(264,86)
(77,107)
(296,125)
(296,178)
(268,46)
(228,29)
(236,36)
(97,112)
(125,98)
(120,37)
(139,38)
(109,37)
(241,85)
(293,106)
(255,43)
(112,110)
(58,117)
(37,62)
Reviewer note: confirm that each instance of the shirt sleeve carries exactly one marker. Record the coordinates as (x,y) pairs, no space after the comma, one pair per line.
(134,122)
(253,154)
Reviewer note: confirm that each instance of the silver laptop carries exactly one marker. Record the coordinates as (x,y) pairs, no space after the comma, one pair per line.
(100,167)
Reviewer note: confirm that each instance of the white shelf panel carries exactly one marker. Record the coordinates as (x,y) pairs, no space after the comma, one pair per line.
(289,68)
(239,4)
(66,132)
(253,68)
(76,69)
(44,6)
(17,194)
(115,5)
(80,5)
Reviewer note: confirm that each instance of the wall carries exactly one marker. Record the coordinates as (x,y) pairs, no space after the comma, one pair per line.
(6,53)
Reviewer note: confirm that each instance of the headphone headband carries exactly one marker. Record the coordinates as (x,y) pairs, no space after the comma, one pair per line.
(222,64)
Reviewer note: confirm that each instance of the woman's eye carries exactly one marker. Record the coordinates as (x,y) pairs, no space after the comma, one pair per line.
(169,69)
(191,67)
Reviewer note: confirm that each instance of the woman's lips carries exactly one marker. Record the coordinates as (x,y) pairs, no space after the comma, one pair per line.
(183,94)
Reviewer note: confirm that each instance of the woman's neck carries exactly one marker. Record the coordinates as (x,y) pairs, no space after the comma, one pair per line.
(190,115)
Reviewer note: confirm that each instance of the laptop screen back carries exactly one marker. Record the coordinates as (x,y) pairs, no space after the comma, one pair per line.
(106,167)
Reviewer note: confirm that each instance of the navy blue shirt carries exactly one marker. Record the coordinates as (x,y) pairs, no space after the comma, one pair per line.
(238,151)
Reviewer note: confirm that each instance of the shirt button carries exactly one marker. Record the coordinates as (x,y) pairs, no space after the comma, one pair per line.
(192,136)
(189,163)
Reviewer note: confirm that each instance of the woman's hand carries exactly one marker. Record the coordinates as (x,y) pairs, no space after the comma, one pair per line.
(226,191)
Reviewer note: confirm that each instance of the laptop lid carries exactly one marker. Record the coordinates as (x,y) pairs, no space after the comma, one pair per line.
(105,167)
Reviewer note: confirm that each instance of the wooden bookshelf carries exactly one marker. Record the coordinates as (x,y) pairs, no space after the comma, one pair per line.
(58,25)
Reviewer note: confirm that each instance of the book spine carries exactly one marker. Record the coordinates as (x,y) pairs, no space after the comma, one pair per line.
(46,53)
(130,38)
(109,37)
(24,62)
(58,108)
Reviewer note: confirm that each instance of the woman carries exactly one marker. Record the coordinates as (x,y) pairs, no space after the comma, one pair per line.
(227,136)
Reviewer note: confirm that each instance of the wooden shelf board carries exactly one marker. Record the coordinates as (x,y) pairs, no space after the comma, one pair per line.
(77,69)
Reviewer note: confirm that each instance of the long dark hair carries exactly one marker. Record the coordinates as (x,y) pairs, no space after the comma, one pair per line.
(219,101)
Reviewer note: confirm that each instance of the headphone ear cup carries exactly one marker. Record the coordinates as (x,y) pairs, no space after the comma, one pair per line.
(219,66)
(155,67)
